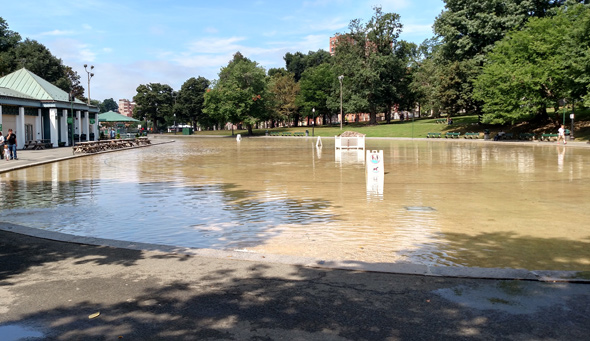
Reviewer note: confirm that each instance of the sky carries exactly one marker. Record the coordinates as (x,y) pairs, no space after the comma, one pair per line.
(133,42)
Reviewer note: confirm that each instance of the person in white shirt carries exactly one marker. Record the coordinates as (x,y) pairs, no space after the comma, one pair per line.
(561,134)
(1,146)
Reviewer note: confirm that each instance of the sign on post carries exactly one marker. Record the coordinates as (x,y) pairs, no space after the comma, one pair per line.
(375,172)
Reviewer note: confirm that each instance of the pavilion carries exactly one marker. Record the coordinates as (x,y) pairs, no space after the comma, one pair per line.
(38,110)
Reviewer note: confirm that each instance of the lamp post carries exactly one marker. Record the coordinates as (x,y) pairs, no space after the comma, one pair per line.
(313,122)
(340,78)
(71,98)
(174,94)
(90,75)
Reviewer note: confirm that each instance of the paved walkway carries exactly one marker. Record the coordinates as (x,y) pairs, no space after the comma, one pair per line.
(60,290)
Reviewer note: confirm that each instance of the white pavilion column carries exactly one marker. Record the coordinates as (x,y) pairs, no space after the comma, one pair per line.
(1,128)
(53,122)
(85,123)
(63,123)
(95,127)
(20,128)
(38,125)
(77,124)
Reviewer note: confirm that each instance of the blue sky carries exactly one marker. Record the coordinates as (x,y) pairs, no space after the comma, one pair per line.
(149,41)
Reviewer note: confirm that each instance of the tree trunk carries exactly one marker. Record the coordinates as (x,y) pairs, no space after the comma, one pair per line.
(373,116)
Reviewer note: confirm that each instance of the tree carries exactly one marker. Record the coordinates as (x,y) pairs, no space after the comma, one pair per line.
(283,91)
(532,69)
(154,102)
(240,94)
(469,29)
(298,62)
(8,41)
(365,57)
(317,86)
(191,100)
(108,104)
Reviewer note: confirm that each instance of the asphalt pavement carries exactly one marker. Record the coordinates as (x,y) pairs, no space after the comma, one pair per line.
(59,287)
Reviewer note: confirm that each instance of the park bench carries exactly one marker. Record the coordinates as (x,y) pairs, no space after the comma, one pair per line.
(275,133)
(471,135)
(548,137)
(452,135)
(505,136)
(441,121)
(286,133)
(299,133)
(526,136)
(433,135)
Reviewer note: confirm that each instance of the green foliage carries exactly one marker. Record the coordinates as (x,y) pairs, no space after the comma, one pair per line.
(365,57)
(317,86)
(283,91)
(297,63)
(190,101)
(108,104)
(239,96)
(153,101)
(470,28)
(534,68)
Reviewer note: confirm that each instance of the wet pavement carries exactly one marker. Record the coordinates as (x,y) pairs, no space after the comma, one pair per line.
(56,290)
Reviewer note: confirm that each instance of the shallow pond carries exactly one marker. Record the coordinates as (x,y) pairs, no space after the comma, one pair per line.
(461,203)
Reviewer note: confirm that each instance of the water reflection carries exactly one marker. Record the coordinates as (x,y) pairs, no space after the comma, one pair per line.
(493,205)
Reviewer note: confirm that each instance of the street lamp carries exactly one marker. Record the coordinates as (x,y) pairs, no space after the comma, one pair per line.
(90,75)
(71,98)
(174,94)
(313,123)
(340,78)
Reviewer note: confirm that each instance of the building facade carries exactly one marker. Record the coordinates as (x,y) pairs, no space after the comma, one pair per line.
(126,107)
(38,110)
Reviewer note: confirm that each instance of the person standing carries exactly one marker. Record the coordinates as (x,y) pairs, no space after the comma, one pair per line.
(561,134)
(11,143)
(1,146)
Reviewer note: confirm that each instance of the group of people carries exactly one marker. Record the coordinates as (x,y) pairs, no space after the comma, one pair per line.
(8,146)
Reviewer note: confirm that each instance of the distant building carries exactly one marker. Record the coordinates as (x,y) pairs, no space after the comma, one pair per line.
(126,107)
(333,42)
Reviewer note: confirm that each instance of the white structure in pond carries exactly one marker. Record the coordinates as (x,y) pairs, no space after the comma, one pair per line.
(350,140)
(375,173)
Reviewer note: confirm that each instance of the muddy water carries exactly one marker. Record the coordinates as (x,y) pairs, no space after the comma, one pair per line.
(440,203)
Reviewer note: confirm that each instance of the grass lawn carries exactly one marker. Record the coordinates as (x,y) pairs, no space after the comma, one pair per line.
(419,128)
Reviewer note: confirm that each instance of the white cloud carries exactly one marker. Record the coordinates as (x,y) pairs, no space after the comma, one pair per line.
(57,33)
(72,50)
(394,5)
(215,45)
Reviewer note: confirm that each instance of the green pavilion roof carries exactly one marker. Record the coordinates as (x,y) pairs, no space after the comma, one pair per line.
(31,86)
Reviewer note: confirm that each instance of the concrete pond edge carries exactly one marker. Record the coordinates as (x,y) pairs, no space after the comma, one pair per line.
(401,268)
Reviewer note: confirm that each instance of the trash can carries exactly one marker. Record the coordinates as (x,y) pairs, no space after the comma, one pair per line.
(486,134)
(307,133)
(187,131)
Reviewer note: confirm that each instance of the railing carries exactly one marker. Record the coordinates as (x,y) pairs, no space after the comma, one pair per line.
(352,142)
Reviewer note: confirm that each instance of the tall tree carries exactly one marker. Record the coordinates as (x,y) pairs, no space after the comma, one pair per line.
(365,57)
(283,91)
(240,94)
(534,68)
(8,41)
(191,99)
(317,86)
(154,102)
(298,62)
(108,104)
